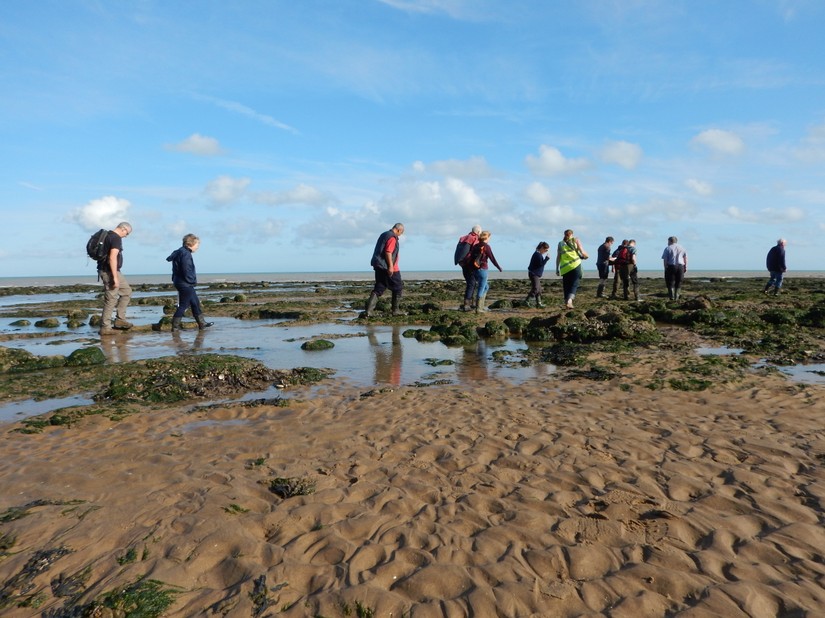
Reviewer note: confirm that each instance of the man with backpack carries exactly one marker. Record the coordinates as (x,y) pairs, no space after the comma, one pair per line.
(462,258)
(619,258)
(117,292)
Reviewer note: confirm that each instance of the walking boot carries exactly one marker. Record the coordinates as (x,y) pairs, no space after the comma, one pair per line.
(670,293)
(176,323)
(202,323)
(600,290)
(527,301)
(396,299)
(466,305)
(371,302)
(122,324)
(539,304)
(481,304)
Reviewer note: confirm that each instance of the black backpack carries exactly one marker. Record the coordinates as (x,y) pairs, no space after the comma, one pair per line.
(97,248)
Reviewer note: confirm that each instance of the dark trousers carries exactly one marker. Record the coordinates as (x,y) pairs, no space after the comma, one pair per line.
(187,297)
(674,273)
(629,274)
(470,279)
(535,286)
(386,281)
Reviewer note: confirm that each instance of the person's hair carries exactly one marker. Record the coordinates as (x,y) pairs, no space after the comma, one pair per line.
(190,240)
(476,230)
(542,245)
(568,233)
(624,242)
(124,226)
(781,241)
(398,227)
(484,235)
(632,241)
(608,239)
(672,240)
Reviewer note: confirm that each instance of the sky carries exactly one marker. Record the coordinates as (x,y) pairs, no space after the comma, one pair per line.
(288,135)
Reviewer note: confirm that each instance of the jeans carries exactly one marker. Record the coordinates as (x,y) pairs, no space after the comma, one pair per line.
(570,282)
(481,281)
(776,279)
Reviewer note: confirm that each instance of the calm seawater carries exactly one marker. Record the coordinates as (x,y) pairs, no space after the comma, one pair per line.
(441,275)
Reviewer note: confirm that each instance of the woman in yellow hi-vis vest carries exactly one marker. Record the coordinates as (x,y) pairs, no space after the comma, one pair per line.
(569,265)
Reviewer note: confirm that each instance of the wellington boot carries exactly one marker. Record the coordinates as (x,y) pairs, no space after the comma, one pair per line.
(371,302)
(481,304)
(539,304)
(600,291)
(527,301)
(176,323)
(202,323)
(670,294)
(396,310)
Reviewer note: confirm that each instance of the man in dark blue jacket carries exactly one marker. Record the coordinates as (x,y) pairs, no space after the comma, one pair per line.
(776,266)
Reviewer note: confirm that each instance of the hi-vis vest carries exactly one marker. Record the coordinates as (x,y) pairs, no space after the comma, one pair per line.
(570,258)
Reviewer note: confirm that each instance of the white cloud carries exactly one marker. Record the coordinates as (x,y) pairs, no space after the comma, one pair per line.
(244,110)
(538,194)
(299,194)
(197,144)
(551,162)
(474,167)
(812,149)
(622,153)
(786,215)
(225,190)
(720,141)
(700,187)
(106,212)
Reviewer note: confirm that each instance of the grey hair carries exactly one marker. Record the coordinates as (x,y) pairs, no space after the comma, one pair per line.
(781,241)
(476,230)
(124,226)
(190,240)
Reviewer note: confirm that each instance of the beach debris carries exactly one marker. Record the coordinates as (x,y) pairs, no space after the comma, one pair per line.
(17,587)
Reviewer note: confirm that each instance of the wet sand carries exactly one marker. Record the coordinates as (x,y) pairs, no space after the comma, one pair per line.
(558,496)
(573,499)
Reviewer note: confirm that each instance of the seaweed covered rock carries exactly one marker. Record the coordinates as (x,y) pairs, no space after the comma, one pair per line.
(13,361)
(495,329)
(47,323)
(317,344)
(172,379)
(564,354)
(516,324)
(457,332)
(86,356)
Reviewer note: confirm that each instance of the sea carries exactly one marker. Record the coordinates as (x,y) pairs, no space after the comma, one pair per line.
(321,277)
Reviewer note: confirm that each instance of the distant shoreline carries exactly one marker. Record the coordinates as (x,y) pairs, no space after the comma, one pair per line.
(322,277)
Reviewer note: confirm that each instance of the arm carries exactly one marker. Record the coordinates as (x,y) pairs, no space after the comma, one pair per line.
(388,249)
(113,267)
(558,259)
(582,252)
(493,258)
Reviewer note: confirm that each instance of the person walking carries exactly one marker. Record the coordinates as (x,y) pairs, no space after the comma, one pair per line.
(775,262)
(603,262)
(117,291)
(535,271)
(674,259)
(569,256)
(185,279)
(463,249)
(628,271)
(387,275)
(481,254)
(619,257)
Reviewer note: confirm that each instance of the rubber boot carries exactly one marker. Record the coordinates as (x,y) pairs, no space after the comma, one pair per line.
(527,301)
(635,292)
(481,304)
(396,299)
(677,291)
(670,294)
(371,302)
(539,304)
(176,324)
(466,305)
(600,289)
(202,323)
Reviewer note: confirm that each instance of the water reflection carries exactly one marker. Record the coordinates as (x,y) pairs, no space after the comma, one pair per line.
(387,356)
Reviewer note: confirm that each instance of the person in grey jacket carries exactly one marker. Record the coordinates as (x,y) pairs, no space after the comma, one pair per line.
(185,279)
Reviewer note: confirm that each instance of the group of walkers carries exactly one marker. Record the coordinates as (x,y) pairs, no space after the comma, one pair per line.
(473,254)
(117,293)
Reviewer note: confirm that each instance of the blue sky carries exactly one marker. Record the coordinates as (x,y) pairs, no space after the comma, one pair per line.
(288,135)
